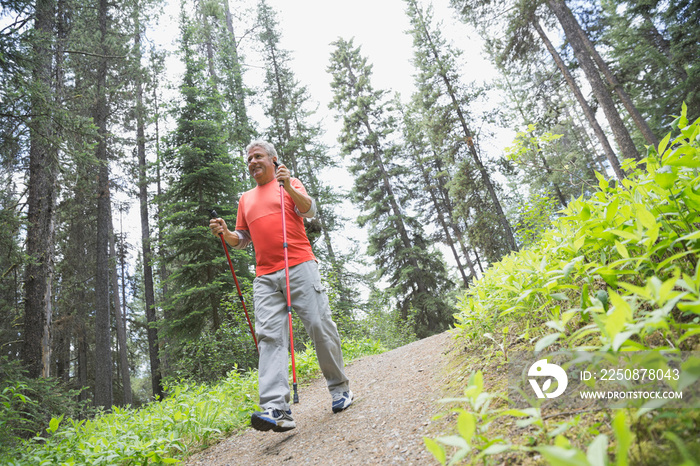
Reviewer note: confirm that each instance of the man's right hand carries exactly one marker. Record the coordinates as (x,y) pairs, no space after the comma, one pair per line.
(217,226)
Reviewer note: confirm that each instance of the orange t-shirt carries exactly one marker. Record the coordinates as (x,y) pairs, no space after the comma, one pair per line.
(259,212)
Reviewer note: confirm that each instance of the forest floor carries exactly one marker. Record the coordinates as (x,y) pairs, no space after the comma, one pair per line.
(396,396)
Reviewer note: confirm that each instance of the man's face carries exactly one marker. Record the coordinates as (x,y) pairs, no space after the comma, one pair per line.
(260,165)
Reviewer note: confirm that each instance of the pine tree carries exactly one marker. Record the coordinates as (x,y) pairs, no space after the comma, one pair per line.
(146,243)
(429,176)
(75,297)
(415,272)
(652,48)
(103,338)
(41,198)
(11,265)
(575,37)
(201,177)
(240,125)
(521,22)
(437,70)
(297,140)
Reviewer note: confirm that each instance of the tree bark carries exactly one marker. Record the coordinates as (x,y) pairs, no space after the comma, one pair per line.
(570,26)
(41,200)
(162,254)
(615,85)
(149,293)
(587,110)
(121,325)
(103,349)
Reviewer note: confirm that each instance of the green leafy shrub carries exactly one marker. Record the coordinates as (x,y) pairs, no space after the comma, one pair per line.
(211,355)
(617,272)
(307,363)
(27,405)
(192,416)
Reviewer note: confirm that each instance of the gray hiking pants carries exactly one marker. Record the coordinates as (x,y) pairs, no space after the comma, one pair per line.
(310,302)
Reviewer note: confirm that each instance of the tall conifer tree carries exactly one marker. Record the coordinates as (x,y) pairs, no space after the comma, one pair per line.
(146,243)
(438,79)
(414,270)
(41,198)
(201,173)
(297,140)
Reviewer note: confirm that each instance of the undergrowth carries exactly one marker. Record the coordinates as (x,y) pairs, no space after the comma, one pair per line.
(616,274)
(191,417)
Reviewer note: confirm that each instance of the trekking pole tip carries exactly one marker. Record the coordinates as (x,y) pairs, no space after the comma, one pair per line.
(296,395)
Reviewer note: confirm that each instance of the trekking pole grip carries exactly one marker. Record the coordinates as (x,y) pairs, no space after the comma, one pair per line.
(277,166)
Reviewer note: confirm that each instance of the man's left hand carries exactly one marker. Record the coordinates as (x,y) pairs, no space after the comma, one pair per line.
(283,176)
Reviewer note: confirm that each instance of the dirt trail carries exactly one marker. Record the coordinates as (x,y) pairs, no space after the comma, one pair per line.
(395,395)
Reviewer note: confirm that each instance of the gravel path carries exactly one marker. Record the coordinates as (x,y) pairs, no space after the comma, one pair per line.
(395,396)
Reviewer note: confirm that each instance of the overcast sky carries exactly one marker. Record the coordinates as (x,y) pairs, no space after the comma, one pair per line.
(378,26)
(309,26)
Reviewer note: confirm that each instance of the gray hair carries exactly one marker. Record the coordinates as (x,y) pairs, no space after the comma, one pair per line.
(266,146)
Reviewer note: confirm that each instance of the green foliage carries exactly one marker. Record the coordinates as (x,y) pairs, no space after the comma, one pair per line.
(383,324)
(654,47)
(214,353)
(202,176)
(617,273)
(307,363)
(27,405)
(535,217)
(192,416)
(11,265)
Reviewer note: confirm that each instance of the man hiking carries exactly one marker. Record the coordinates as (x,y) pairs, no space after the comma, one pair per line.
(259,221)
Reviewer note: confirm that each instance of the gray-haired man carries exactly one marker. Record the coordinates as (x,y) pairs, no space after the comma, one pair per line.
(259,222)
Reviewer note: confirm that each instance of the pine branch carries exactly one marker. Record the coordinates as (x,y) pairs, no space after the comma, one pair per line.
(90,54)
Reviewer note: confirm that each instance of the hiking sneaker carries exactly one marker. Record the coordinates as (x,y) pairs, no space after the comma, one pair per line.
(273,419)
(342,401)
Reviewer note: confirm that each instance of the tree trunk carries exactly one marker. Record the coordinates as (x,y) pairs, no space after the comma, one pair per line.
(448,237)
(162,268)
(121,325)
(208,43)
(570,27)
(637,117)
(391,198)
(441,209)
(243,131)
(444,195)
(149,293)
(82,350)
(587,110)
(103,349)
(43,170)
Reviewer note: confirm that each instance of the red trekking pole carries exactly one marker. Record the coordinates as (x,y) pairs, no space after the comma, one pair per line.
(238,287)
(289,297)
